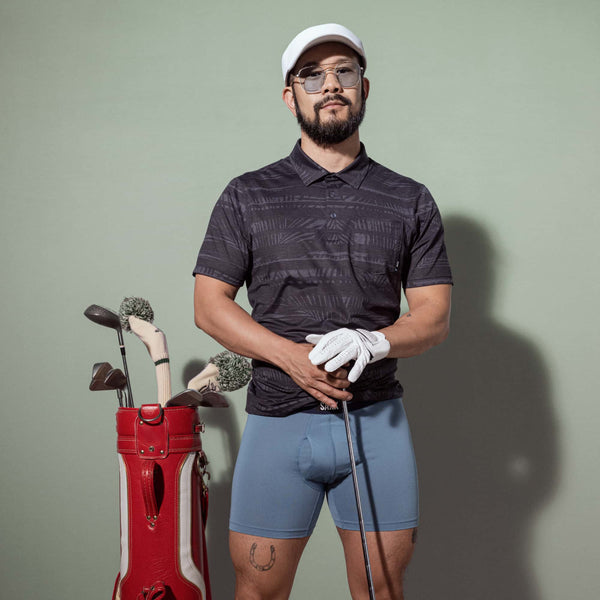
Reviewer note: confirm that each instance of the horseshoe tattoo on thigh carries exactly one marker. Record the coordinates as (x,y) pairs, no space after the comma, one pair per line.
(266,566)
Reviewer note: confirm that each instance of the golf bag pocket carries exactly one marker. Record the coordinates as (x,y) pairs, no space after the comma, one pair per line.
(163,504)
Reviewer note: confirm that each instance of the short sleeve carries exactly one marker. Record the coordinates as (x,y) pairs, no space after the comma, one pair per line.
(225,252)
(428,262)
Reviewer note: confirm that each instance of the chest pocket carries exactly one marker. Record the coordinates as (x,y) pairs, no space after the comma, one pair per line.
(376,249)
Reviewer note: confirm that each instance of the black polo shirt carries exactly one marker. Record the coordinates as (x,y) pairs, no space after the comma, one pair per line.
(319,251)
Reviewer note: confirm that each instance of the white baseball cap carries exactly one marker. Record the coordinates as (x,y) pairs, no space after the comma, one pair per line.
(319,34)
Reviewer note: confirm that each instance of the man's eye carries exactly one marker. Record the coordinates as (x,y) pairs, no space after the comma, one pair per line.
(345,69)
(313,74)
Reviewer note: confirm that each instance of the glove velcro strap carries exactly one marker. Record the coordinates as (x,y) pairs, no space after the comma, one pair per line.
(377,344)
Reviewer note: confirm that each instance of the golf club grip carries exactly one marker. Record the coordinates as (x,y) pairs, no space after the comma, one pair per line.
(361,523)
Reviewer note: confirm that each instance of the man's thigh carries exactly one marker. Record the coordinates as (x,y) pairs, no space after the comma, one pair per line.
(273,509)
(386,469)
(264,567)
(270,496)
(389,555)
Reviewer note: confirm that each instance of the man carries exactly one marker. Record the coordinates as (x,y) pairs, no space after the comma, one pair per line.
(324,240)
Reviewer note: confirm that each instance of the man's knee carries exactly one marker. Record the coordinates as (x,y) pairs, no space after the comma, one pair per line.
(390,553)
(389,584)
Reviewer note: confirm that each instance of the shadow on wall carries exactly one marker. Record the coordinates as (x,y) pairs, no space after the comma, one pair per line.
(222,577)
(485,438)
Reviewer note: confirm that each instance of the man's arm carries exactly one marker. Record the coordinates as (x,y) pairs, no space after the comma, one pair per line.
(217,313)
(424,325)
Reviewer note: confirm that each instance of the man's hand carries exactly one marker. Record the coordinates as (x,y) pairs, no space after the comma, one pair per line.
(338,347)
(326,387)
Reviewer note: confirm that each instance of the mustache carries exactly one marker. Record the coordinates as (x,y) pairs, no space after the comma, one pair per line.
(332,98)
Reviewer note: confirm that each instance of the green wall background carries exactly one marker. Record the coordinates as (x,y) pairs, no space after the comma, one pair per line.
(121,123)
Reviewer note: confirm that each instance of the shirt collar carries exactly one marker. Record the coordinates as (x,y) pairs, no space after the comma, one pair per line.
(309,171)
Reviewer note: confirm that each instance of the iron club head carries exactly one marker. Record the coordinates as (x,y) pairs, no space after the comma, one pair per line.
(100,367)
(99,373)
(115,379)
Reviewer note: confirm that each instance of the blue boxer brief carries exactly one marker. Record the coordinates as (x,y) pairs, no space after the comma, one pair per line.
(287,465)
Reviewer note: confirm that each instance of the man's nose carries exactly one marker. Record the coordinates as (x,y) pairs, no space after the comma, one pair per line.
(331,83)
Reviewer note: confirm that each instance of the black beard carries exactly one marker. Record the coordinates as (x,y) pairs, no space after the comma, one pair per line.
(334,131)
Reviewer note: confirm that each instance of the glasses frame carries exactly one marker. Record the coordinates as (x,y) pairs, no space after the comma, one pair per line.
(302,80)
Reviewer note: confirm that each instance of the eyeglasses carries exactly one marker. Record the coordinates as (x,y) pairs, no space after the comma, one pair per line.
(313,77)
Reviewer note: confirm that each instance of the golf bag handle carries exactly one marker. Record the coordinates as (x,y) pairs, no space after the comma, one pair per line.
(149,492)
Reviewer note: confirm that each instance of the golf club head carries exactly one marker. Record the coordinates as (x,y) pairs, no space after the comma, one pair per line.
(115,379)
(214,400)
(195,398)
(103,367)
(103,316)
(109,318)
(99,373)
(99,386)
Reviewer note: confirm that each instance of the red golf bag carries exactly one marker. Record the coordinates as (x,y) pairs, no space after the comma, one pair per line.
(164,501)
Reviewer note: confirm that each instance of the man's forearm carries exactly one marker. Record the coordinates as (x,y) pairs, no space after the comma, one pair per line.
(228,323)
(425,325)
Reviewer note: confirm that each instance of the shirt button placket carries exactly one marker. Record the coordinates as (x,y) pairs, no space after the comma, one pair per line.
(329,181)
(332,185)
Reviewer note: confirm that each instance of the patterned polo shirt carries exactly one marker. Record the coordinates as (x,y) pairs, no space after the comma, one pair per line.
(319,251)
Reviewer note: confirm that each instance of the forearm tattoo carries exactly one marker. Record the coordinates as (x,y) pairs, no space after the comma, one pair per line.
(266,566)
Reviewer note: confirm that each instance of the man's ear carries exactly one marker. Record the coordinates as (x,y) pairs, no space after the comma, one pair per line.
(288,97)
(366,86)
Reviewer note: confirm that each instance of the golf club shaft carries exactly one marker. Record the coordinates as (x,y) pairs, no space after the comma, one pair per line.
(361,523)
(125,369)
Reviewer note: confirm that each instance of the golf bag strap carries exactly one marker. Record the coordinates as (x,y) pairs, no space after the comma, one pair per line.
(155,592)
(149,493)
(176,444)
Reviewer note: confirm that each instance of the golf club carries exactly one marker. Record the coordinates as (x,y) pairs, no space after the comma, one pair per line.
(115,378)
(117,381)
(108,318)
(136,315)
(156,343)
(361,523)
(206,380)
(225,372)
(104,377)
(99,372)
(194,398)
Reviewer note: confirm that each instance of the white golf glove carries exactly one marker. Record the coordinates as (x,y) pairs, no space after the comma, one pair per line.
(338,347)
